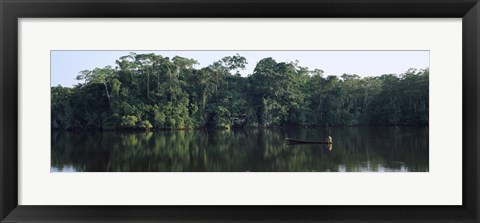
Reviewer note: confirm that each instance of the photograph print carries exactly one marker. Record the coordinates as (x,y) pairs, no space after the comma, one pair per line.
(239,111)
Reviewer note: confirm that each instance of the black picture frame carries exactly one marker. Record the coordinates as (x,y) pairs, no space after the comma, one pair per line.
(12,10)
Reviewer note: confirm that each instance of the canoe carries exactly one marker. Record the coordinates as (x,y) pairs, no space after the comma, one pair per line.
(297,141)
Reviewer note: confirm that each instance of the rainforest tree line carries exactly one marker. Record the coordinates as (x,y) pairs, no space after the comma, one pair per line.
(148,91)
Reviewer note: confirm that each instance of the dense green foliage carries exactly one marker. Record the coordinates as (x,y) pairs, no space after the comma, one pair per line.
(146,91)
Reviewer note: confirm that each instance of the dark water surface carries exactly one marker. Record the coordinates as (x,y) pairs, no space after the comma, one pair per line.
(354,149)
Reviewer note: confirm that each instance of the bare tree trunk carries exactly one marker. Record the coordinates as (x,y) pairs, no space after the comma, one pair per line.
(106,90)
(365,102)
(319,108)
(148,85)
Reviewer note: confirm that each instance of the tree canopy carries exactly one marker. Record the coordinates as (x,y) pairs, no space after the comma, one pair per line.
(148,91)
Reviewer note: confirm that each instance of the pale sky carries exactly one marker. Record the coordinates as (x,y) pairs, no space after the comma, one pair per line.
(65,65)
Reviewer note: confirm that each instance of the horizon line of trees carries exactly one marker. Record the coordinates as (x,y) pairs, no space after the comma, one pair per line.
(148,91)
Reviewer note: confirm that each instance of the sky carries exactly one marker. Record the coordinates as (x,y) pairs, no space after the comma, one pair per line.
(65,65)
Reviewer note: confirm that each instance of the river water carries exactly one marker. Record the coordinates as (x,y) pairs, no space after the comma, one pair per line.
(354,149)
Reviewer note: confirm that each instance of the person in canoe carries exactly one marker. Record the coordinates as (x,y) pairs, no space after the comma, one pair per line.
(327,140)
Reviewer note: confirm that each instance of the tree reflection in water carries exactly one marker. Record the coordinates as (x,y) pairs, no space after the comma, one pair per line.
(355,149)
